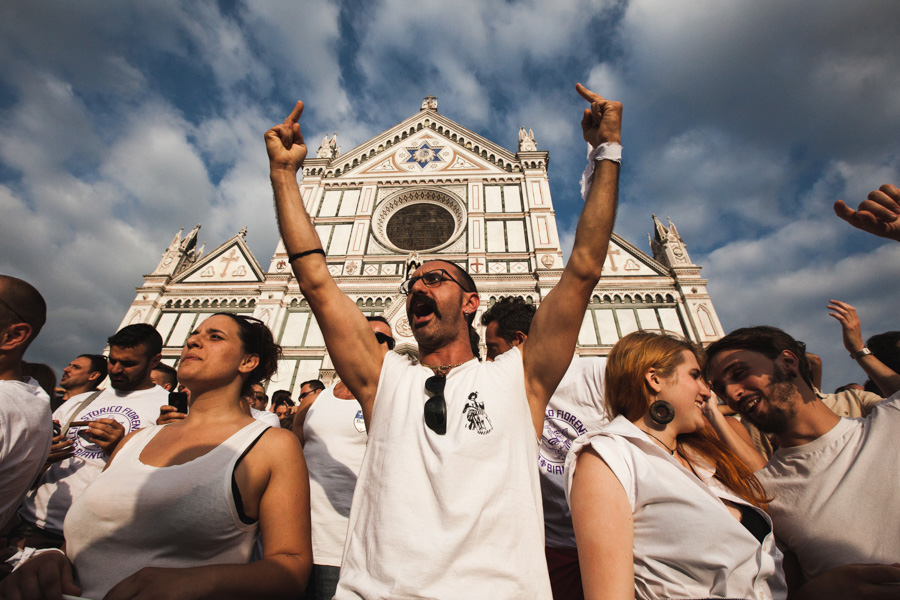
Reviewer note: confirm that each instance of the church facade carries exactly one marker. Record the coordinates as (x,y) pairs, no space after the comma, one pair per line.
(426,188)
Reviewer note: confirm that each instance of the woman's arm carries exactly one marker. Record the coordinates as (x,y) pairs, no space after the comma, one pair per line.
(604,530)
(274,485)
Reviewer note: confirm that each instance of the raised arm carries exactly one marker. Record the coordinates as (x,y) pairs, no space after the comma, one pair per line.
(353,348)
(879,214)
(882,375)
(554,330)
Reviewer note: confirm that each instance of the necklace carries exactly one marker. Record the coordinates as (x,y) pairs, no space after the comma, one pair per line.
(443,369)
(672,452)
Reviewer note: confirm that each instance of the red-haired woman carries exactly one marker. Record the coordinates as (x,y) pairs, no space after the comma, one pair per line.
(661,507)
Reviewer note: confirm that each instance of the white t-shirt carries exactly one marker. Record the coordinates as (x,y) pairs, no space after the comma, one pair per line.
(686,542)
(47,504)
(269,418)
(837,498)
(334,434)
(575,408)
(25,435)
(455,515)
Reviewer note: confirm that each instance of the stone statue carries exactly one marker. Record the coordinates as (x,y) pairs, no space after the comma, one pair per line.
(429,103)
(526,140)
(329,148)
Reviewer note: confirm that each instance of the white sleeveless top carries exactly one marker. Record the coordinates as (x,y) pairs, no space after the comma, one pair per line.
(455,515)
(686,542)
(135,515)
(334,435)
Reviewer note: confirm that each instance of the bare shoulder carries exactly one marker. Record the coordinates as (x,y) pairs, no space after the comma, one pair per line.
(278,444)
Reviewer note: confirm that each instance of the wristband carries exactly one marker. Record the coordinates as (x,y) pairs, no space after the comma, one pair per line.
(605,151)
(294,257)
(860,353)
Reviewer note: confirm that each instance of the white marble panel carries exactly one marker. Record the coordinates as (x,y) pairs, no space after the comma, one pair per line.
(512,198)
(515,233)
(330,203)
(670,320)
(495,236)
(314,337)
(647,318)
(606,324)
(294,328)
(627,320)
(493,202)
(349,203)
(340,240)
(164,325)
(587,335)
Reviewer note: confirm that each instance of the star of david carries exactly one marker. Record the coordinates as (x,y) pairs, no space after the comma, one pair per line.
(424,154)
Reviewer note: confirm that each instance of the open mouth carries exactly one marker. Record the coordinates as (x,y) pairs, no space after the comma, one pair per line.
(420,308)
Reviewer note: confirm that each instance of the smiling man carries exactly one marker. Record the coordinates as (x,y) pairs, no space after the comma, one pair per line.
(448,500)
(835,481)
(93,425)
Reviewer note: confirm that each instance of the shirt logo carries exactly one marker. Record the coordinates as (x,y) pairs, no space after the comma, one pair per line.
(476,416)
(560,428)
(83,448)
(359,422)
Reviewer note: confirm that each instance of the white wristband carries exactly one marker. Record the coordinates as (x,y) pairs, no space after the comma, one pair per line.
(605,151)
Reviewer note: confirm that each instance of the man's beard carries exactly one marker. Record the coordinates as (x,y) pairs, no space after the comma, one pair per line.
(780,410)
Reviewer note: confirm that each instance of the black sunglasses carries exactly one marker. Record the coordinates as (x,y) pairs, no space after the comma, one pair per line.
(383,338)
(436,406)
(430,279)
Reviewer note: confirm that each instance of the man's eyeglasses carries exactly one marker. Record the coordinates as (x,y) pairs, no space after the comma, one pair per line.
(436,406)
(430,279)
(383,338)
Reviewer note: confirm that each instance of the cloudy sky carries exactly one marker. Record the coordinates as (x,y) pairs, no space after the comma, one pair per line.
(121,122)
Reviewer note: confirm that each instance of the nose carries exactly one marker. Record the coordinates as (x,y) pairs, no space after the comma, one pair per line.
(705,390)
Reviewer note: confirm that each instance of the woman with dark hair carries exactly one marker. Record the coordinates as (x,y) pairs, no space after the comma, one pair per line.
(177,510)
(661,507)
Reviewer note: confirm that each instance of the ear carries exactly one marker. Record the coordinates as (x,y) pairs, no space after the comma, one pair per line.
(155,360)
(519,339)
(93,375)
(471,303)
(788,362)
(653,381)
(14,336)
(250,362)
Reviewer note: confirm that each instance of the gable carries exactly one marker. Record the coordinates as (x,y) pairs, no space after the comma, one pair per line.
(230,262)
(423,153)
(625,260)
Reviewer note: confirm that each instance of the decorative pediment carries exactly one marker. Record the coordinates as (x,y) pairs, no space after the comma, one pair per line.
(426,143)
(231,262)
(625,260)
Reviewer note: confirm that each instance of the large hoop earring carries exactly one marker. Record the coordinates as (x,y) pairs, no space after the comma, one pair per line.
(662,412)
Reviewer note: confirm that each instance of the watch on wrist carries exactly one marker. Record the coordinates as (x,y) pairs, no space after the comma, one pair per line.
(860,353)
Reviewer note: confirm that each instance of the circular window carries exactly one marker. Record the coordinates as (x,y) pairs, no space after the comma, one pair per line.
(420,226)
(421,219)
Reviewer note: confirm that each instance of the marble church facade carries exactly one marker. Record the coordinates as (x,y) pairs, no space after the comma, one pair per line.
(426,188)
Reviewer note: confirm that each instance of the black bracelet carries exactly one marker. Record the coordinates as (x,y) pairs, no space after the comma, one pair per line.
(294,257)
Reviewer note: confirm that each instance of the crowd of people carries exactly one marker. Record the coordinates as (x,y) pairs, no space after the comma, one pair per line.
(722,472)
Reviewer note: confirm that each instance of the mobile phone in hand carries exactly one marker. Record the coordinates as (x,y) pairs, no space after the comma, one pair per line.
(179,400)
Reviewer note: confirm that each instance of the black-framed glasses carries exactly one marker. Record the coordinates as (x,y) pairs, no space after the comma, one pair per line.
(13,311)
(430,279)
(384,338)
(436,406)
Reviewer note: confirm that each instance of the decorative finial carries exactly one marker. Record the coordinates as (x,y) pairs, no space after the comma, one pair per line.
(429,103)
(243,232)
